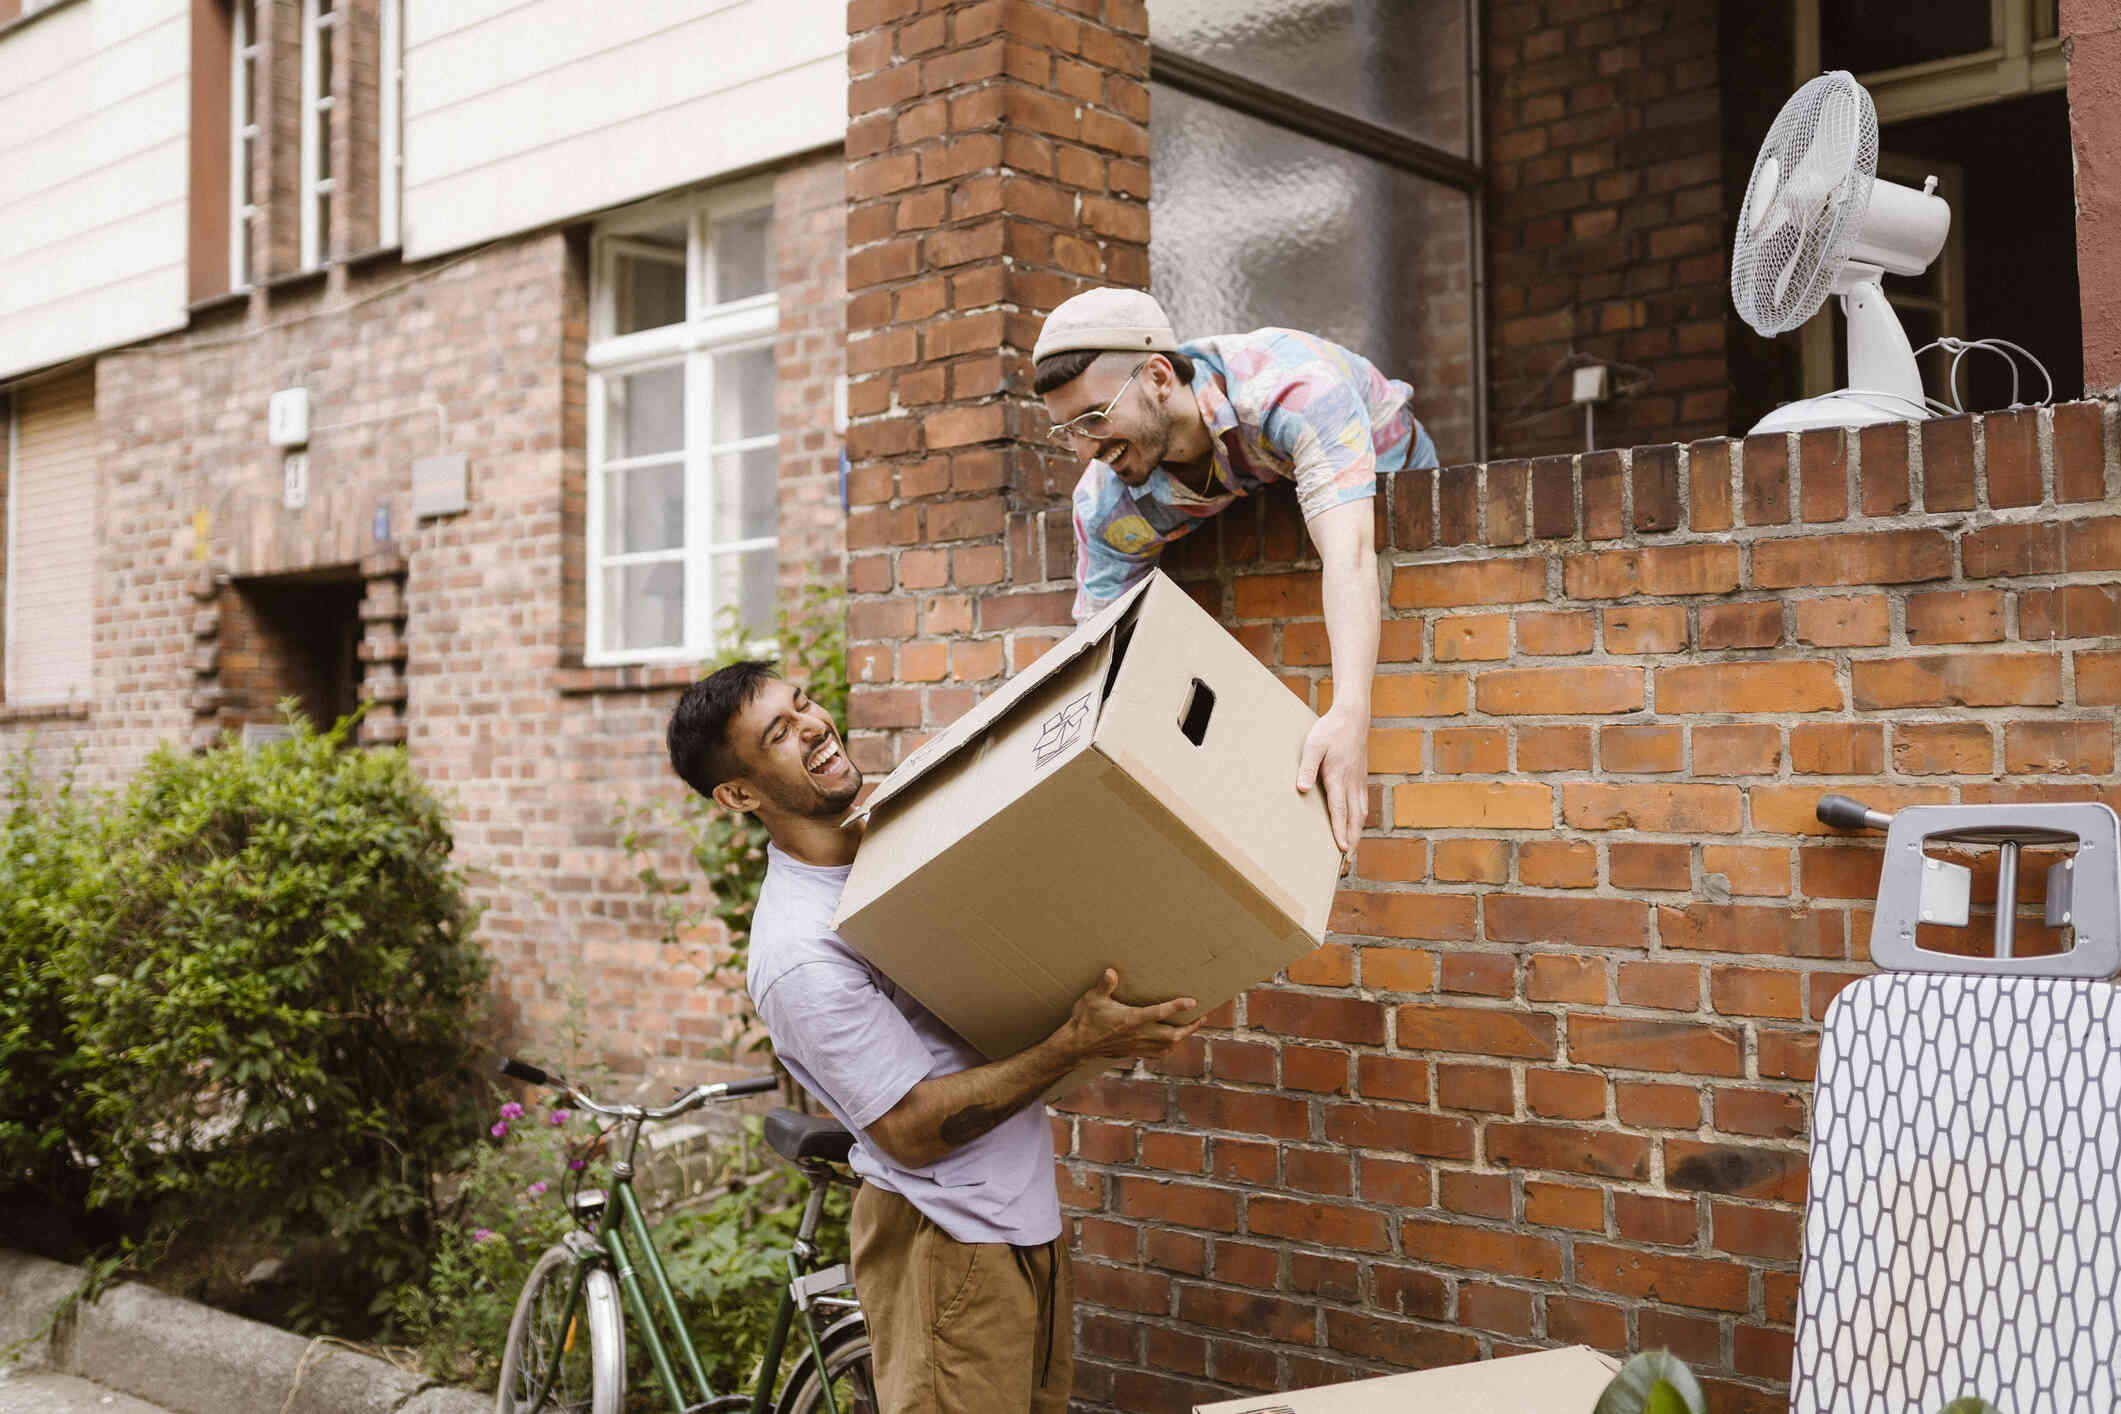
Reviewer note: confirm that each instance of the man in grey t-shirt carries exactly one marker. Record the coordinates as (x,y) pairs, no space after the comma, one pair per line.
(959,1255)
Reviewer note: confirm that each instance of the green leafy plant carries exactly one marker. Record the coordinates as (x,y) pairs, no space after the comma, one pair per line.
(1659,1382)
(1654,1382)
(249,979)
(46,830)
(509,1205)
(728,1257)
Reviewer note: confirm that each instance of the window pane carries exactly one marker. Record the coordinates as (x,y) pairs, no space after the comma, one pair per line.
(742,260)
(323,122)
(1865,36)
(743,394)
(644,413)
(250,88)
(650,280)
(244,173)
(1360,253)
(1396,64)
(644,509)
(744,591)
(745,490)
(644,607)
(651,293)
(324,33)
(323,227)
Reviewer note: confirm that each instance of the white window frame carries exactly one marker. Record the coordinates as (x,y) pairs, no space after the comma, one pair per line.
(390,155)
(242,138)
(317,190)
(2013,64)
(753,322)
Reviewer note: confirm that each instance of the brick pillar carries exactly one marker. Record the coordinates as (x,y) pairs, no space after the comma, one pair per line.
(997,162)
(2094,43)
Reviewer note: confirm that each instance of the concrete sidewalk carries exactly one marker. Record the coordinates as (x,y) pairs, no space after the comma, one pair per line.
(186,1358)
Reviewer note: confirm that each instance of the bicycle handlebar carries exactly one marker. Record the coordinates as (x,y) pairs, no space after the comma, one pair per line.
(691,1100)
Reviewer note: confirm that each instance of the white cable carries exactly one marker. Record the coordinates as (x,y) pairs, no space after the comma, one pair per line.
(2003,349)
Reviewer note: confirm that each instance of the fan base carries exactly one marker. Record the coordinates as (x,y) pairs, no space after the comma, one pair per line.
(1844,407)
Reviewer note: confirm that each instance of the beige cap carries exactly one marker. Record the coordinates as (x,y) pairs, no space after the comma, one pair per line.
(1104,319)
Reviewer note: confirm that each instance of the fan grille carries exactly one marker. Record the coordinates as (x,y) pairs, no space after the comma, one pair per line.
(1805,204)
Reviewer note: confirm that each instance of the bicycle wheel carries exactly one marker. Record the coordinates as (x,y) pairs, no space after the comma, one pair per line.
(848,1370)
(591,1378)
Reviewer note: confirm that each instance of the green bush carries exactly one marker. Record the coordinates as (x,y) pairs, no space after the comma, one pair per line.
(258,989)
(45,829)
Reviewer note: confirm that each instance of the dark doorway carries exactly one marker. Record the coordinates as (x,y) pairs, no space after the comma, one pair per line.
(293,636)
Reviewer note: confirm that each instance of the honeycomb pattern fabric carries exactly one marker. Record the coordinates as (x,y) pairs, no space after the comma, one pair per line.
(1962,1232)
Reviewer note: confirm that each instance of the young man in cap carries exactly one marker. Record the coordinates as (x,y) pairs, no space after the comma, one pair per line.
(1177,432)
(959,1255)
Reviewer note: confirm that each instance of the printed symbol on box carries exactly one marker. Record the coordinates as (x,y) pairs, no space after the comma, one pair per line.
(1060,731)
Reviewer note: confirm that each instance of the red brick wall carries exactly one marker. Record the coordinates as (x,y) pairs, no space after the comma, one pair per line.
(1604,218)
(1548,1081)
(996,163)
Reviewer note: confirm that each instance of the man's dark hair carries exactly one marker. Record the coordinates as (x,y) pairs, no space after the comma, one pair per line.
(698,737)
(1061,369)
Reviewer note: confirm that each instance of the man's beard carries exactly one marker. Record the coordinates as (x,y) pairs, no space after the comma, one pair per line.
(813,801)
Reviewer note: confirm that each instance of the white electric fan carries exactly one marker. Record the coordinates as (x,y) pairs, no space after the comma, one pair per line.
(1817,221)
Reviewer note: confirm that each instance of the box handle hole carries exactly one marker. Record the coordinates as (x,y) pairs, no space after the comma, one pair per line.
(1200,705)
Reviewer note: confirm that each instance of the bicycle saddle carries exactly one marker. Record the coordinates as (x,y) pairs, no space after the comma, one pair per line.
(801,1138)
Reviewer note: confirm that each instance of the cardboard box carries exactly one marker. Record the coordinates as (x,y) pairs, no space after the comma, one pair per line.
(1566,1381)
(1127,801)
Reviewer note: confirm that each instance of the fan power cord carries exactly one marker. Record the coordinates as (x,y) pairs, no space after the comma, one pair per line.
(2003,349)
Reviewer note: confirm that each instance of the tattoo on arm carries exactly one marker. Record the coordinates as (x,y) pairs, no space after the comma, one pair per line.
(971,1122)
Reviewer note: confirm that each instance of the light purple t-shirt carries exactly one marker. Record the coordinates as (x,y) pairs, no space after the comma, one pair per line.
(859,1043)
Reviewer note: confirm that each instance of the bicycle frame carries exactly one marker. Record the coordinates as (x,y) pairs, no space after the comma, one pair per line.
(621,1238)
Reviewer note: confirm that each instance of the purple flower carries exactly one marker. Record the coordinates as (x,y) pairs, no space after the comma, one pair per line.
(562,1116)
(511,1110)
(500,1129)
(576,1164)
(482,1234)
(536,1190)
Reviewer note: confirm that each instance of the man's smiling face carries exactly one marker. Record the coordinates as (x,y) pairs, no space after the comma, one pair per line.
(1113,412)
(791,753)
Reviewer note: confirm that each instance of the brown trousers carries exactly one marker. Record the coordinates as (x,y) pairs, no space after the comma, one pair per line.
(960,1327)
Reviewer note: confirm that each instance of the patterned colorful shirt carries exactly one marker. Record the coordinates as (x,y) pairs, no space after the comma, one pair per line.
(1280,406)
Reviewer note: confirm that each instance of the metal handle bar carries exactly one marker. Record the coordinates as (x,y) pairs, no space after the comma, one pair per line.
(691,1100)
(1845,813)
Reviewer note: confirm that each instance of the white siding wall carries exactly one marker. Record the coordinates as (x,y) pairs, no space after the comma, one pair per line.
(94,115)
(520,113)
(51,562)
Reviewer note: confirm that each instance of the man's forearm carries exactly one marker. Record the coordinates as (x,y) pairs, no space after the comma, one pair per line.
(949,1111)
(1348,586)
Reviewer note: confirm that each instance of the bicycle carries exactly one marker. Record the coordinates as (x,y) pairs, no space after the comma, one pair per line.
(585,1285)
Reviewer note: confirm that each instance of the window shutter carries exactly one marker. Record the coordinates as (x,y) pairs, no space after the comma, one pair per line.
(51,566)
